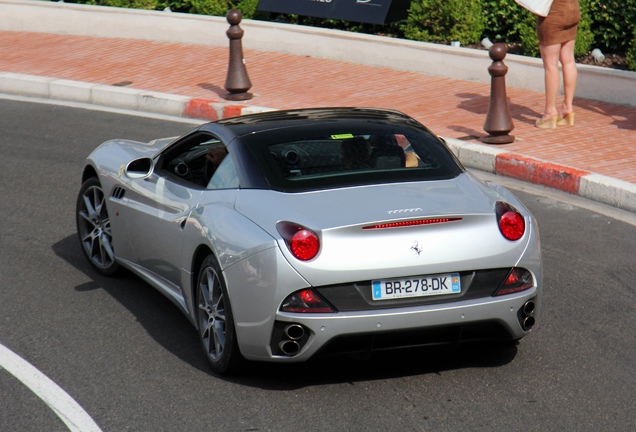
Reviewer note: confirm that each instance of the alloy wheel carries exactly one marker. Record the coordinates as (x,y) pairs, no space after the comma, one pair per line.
(93,227)
(212,318)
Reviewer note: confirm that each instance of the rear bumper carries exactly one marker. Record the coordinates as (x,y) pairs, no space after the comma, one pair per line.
(479,319)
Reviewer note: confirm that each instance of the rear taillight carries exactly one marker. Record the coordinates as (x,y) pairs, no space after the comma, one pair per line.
(305,301)
(302,242)
(518,280)
(511,223)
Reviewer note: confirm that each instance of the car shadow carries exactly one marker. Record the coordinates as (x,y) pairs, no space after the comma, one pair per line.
(161,319)
(165,323)
(380,366)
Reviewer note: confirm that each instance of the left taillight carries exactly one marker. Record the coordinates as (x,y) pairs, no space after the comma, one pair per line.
(305,301)
(511,223)
(302,242)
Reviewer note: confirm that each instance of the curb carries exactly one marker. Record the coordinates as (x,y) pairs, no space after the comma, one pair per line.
(211,110)
(596,187)
(592,186)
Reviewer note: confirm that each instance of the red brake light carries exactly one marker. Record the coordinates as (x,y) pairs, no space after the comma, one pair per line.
(302,242)
(305,301)
(511,223)
(412,223)
(518,280)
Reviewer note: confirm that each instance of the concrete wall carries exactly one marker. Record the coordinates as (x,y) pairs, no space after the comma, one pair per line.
(596,83)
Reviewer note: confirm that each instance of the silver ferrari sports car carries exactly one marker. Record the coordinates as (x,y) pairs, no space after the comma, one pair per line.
(289,234)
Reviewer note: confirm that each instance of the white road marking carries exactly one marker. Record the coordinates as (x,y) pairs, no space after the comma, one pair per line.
(69,411)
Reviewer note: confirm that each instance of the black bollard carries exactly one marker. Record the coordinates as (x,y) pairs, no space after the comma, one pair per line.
(237,82)
(498,121)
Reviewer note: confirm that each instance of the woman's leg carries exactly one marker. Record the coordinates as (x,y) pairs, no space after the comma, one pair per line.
(568,65)
(550,57)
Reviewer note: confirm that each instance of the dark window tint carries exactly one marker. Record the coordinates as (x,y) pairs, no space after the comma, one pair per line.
(194,158)
(341,154)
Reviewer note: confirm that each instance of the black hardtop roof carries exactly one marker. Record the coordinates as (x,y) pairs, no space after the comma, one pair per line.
(274,119)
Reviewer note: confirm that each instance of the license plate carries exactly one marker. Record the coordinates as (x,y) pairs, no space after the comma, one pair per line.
(418,286)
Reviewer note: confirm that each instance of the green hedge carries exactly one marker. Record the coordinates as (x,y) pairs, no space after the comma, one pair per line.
(606,24)
(613,23)
(221,7)
(631,53)
(444,21)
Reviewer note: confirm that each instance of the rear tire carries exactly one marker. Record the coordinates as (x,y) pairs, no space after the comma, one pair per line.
(93,228)
(215,320)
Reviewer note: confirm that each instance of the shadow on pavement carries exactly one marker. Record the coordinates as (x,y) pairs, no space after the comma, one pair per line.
(161,319)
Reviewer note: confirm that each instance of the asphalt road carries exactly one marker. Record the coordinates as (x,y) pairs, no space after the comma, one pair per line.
(131,362)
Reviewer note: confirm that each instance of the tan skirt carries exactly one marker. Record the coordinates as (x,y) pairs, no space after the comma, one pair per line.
(561,23)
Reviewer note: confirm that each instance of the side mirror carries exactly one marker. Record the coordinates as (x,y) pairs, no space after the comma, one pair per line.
(139,168)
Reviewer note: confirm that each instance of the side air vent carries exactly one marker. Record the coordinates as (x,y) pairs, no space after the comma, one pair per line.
(118,192)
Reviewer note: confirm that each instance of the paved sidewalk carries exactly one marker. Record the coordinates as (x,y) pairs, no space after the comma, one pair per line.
(595,158)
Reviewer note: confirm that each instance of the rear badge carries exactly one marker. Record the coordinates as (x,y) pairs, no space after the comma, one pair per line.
(416,247)
(401,211)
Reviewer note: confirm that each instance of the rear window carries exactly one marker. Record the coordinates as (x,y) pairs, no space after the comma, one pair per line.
(343,154)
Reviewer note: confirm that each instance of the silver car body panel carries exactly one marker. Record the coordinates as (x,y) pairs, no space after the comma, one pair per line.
(349,252)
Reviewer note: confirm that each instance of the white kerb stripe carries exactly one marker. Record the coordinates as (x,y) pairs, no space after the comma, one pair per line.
(57,399)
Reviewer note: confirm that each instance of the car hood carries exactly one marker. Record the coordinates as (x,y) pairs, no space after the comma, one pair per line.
(350,253)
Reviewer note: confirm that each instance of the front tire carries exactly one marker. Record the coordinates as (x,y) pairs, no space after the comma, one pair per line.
(215,320)
(93,228)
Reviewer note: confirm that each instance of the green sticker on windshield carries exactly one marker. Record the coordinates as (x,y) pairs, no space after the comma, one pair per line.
(342,136)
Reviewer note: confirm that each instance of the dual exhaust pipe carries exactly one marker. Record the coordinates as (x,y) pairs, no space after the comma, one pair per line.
(291,345)
(526,315)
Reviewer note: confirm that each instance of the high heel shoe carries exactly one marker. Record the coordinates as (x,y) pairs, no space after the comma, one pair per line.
(550,123)
(568,120)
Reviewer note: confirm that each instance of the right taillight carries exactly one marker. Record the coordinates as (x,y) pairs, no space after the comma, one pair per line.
(518,279)
(510,222)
